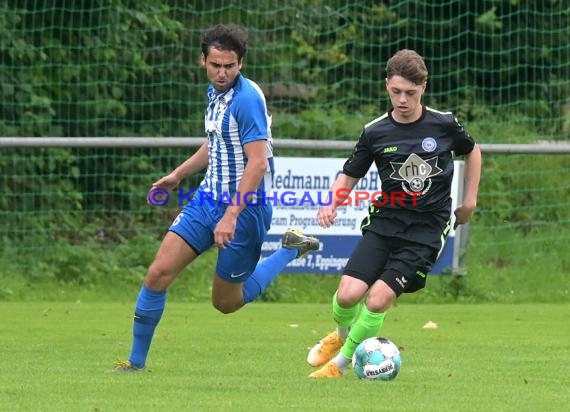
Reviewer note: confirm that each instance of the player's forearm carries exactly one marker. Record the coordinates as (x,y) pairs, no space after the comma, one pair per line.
(472,177)
(249,183)
(253,173)
(195,163)
(342,186)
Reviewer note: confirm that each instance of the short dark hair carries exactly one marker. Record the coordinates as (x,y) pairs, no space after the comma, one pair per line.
(227,38)
(408,64)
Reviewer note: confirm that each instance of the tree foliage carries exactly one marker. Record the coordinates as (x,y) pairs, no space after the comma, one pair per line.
(126,67)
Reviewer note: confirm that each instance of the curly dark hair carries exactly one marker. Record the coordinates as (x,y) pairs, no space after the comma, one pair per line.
(227,38)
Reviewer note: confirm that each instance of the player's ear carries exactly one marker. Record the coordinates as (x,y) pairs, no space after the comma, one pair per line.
(202,59)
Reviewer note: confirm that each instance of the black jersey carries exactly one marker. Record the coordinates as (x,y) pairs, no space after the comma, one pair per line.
(415,165)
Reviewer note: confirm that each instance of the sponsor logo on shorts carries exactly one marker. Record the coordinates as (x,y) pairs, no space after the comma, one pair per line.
(401,281)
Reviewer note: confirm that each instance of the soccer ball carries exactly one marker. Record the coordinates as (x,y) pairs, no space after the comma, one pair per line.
(376,359)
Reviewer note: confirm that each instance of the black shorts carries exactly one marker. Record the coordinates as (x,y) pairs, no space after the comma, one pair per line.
(402,264)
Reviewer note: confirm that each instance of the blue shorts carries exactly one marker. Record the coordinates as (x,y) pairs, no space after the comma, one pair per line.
(196,224)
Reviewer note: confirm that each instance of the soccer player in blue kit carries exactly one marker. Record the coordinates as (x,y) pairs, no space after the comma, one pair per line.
(413,147)
(228,209)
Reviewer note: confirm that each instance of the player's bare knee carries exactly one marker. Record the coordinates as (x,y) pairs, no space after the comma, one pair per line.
(345,299)
(378,306)
(226,307)
(158,278)
(380,301)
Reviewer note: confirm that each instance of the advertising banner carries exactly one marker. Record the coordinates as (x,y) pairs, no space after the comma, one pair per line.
(301,186)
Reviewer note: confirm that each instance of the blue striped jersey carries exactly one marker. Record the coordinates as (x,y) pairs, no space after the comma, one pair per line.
(234,118)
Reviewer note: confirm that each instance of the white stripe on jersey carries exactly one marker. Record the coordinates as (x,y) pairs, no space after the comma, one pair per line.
(437,111)
(376,120)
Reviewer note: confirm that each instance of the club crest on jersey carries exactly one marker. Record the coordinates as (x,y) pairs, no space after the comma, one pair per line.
(429,144)
(415,173)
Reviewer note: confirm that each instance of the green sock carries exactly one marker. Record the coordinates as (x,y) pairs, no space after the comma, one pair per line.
(367,326)
(343,317)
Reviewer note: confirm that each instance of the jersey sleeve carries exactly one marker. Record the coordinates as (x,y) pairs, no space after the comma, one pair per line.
(463,143)
(360,160)
(251,115)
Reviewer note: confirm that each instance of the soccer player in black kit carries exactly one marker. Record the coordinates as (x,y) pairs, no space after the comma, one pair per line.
(413,148)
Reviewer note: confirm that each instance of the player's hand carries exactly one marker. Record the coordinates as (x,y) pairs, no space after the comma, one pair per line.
(168,182)
(224,231)
(463,214)
(158,194)
(326,216)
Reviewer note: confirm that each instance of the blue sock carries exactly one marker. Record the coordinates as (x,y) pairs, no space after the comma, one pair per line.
(149,308)
(265,272)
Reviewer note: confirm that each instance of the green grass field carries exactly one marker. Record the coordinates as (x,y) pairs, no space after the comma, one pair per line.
(58,356)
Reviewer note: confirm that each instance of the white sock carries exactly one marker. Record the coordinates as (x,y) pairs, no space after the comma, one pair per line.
(343,332)
(341,362)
